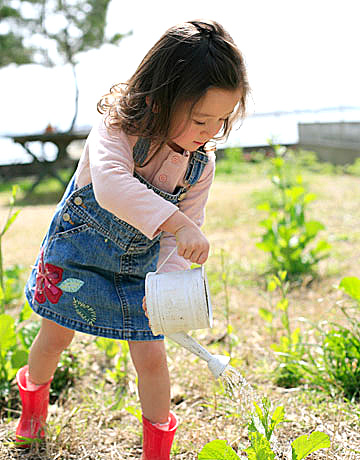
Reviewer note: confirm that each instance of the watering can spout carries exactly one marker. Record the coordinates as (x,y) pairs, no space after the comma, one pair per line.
(216,363)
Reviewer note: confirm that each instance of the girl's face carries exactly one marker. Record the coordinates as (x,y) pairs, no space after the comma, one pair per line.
(206,119)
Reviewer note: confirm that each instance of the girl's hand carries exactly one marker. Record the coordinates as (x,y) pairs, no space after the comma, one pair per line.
(190,241)
(192,244)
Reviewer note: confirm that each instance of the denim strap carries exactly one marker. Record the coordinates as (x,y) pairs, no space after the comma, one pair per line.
(141,149)
(195,167)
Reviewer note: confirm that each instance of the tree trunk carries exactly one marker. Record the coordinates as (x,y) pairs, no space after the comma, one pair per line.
(73,66)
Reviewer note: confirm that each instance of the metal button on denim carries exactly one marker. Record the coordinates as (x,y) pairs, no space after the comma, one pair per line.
(78,200)
(182,196)
(66,217)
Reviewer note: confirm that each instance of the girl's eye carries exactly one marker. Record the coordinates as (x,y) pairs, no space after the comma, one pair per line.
(199,122)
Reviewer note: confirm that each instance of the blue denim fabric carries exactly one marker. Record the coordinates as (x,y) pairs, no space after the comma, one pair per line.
(92,266)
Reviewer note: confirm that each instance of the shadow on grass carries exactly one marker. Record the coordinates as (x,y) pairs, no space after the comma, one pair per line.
(40,198)
(48,192)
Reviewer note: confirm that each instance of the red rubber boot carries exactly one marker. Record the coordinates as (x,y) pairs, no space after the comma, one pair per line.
(157,443)
(34,409)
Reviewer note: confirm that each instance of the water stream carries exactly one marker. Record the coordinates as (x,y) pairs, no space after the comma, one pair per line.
(242,395)
(239,390)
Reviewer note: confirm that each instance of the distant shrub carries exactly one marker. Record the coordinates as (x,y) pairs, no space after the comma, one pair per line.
(232,162)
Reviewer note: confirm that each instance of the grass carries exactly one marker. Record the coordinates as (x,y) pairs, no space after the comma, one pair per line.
(89,425)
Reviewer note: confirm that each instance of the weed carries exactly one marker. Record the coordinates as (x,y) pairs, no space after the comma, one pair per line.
(17,334)
(67,371)
(8,287)
(334,364)
(231,338)
(354,168)
(231,163)
(118,350)
(261,429)
(13,286)
(15,339)
(289,348)
(288,234)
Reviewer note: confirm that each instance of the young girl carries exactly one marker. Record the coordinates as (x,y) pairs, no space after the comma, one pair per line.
(139,191)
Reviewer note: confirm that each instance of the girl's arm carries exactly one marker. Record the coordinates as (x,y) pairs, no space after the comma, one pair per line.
(190,216)
(117,190)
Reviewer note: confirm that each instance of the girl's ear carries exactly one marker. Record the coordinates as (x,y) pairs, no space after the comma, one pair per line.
(154,107)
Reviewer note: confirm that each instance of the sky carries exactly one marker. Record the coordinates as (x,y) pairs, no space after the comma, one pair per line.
(300,54)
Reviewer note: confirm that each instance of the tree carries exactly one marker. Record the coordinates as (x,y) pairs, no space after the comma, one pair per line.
(74,26)
(15,28)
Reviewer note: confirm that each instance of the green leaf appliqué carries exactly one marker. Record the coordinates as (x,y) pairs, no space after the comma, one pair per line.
(71,285)
(84,310)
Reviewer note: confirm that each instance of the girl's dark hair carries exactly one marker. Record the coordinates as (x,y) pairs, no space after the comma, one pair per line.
(186,61)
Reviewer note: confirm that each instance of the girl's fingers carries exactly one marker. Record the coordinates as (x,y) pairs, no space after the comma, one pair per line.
(198,260)
(199,257)
(195,256)
(188,254)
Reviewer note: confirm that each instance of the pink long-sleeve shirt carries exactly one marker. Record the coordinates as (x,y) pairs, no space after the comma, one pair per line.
(107,162)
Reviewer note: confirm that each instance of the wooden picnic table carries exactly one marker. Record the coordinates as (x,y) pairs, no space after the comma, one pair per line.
(42,166)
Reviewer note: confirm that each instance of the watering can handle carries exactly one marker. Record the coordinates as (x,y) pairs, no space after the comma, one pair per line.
(167,258)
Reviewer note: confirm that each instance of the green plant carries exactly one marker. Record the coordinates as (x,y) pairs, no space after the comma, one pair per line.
(12,286)
(261,428)
(16,337)
(118,350)
(231,338)
(334,363)
(353,168)
(6,285)
(231,163)
(289,348)
(288,234)
(308,161)
(17,333)
(67,371)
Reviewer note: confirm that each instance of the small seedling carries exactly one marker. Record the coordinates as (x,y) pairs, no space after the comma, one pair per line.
(261,430)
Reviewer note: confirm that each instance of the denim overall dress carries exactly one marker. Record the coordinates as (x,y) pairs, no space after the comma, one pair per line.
(90,273)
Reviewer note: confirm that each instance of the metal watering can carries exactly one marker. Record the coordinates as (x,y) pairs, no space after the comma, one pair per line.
(178,302)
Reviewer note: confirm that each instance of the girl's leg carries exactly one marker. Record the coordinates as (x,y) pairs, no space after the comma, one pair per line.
(46,349)
(34,386)
(149,359)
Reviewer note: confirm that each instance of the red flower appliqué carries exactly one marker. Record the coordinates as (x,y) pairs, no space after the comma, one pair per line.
(47,277)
